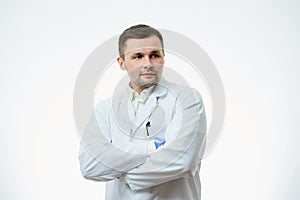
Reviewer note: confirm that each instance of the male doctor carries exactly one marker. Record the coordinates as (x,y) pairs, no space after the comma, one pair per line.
(146,141)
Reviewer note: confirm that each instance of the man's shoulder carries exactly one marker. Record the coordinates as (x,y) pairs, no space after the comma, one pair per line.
(182,92)
(176,88)
(179,87)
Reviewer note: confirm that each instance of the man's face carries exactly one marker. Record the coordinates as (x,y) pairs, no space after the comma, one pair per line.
(143,60)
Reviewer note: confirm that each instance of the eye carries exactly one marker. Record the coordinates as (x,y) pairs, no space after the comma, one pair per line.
(154,55)
(137,57)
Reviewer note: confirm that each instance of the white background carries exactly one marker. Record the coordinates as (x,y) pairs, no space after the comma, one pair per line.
(254,45)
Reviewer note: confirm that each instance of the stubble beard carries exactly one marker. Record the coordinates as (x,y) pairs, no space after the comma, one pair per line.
(145,84)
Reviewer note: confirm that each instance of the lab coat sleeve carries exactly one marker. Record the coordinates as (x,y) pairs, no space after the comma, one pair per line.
(99,159)
(177,158)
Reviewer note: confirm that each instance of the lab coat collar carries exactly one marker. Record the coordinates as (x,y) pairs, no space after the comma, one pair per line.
(125,110)
(151,105)
(160,90)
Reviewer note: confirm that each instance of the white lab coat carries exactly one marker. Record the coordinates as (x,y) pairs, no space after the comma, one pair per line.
(115,146)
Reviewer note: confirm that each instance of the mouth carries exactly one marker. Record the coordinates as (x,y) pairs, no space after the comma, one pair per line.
(148,74)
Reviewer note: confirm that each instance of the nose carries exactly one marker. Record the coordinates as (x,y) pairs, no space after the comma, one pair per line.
(147,62)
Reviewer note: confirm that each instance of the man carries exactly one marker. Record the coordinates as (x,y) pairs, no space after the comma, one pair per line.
(146,141)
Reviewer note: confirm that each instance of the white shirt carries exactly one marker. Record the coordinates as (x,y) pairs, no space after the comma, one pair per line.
(139,100)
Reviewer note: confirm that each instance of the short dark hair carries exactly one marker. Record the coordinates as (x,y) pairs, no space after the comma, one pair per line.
(138,31)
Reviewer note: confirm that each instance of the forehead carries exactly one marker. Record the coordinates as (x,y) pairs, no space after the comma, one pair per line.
(134,45)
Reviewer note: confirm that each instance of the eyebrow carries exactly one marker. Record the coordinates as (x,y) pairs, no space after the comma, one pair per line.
(140,53)
(155,51)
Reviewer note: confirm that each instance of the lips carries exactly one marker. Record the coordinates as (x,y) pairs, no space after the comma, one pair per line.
(148,74)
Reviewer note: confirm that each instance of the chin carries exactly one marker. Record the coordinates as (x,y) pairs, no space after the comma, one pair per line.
(146,85)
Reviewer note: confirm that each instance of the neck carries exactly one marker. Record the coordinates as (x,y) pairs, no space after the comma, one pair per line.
(138,89)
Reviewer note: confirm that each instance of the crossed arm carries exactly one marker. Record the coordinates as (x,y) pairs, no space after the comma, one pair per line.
(99,159)
(175,160)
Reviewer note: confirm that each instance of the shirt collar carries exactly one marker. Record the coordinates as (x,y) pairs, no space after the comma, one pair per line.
(159,90)
(143,95)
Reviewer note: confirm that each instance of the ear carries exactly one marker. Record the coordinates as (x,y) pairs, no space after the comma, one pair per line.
(121,63)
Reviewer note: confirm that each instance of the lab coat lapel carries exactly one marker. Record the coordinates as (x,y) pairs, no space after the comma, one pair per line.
(123,112)
(150,106)
(146,111)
